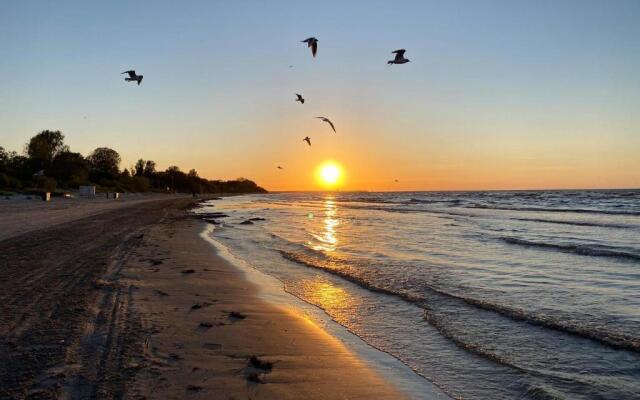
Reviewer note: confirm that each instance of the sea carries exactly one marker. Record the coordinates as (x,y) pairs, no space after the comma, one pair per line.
(486,295)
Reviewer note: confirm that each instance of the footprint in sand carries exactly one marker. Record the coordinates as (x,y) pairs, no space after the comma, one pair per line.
(235,316)
(212,346)
(198,306)
(207,325)
(257,369)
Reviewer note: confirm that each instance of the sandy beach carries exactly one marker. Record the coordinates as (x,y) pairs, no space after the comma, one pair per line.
(19,217)
(131,302)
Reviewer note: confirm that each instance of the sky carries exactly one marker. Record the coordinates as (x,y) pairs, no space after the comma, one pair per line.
(498,94)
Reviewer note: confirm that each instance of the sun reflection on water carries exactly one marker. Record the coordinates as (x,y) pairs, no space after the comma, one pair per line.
(338,302)
(327,237)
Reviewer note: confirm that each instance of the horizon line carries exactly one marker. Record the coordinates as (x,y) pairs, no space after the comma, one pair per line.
(452,190)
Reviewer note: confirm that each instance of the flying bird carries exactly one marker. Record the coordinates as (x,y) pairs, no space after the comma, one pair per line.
(328,122)
(308,140)
(396,180)
(279,167)
(399,57)
(300,99)
(133,77)
(313,44)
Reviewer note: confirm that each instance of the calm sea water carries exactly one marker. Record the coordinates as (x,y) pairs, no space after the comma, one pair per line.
(488,295)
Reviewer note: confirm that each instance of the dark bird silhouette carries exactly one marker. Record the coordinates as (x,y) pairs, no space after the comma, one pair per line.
(328,122)
(300,99)
(279,167)
(133,77)
(396,180)
(313,44)
(399,57)
(308,140)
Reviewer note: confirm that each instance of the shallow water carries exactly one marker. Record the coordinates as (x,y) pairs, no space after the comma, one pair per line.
(527,294)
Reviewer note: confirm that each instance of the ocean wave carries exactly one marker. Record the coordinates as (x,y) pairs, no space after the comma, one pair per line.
(456,205)
(406,210)
(433,201)
(583,250)
(576,223)
(368,200)
(411,201)
(542,393)
(545,209)
(383,208)
(616,340)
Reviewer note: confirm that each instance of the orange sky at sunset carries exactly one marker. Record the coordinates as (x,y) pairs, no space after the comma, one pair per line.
(495,96)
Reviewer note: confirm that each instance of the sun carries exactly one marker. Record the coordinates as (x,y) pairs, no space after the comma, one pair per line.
(329,174)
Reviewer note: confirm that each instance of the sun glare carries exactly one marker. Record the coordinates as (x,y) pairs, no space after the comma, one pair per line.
(329,174)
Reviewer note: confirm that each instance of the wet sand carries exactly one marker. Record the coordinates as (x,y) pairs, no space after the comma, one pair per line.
(133,303)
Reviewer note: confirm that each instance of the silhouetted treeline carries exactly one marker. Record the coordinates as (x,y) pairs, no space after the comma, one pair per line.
(47,163)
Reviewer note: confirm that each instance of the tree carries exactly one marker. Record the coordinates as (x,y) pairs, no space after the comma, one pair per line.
(4,159)
(47,151)
(174,176)
(139,168)
(71,169)
(44,147)
(18,167)
(149,168)
(105,159)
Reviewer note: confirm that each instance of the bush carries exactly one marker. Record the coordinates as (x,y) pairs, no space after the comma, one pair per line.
(75,181)
(5,181)
(46,184)
(140,184)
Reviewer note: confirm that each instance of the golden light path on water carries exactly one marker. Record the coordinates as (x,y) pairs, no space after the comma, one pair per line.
(336,301)
(320,291)
(327,237)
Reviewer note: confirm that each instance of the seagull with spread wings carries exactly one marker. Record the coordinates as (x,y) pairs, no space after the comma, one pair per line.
(133,77)
(313,44)
(308,140)
(328,122)
(279,167)
(399,57)
(300,98)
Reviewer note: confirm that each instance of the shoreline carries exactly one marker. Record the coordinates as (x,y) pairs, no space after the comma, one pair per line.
(133,303)
(272,291)
(211,349)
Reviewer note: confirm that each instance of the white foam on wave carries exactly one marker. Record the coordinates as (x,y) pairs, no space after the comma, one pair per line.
(272,290)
